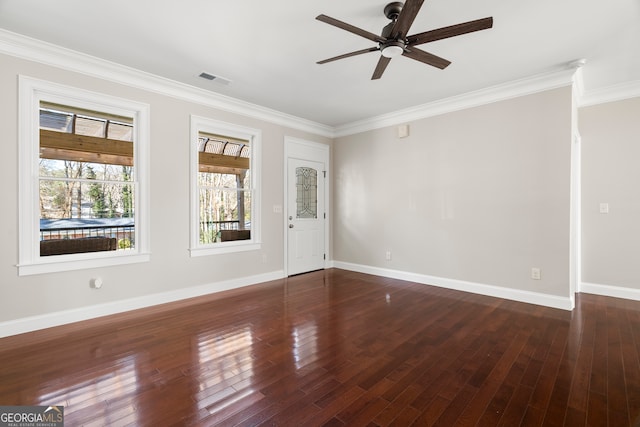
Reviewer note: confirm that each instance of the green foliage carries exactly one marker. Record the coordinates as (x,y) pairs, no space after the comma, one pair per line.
(127,195)
(124,244)
(97,196)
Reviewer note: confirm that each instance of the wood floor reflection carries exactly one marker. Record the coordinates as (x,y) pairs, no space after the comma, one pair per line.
(337,348)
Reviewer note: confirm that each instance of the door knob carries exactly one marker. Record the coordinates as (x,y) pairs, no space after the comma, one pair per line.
(290,225)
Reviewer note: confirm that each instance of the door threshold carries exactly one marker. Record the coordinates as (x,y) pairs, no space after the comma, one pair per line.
(305,272)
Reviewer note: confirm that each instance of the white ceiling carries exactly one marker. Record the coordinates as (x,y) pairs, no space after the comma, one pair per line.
(269,49)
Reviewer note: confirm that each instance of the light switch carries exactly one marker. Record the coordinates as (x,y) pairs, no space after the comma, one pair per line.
(604,208)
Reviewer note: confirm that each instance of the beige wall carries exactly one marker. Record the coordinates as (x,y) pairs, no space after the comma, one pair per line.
(479,195)
(171,269)
(611,174)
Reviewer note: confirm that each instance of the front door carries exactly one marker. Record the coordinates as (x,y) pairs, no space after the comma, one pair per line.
(305,216)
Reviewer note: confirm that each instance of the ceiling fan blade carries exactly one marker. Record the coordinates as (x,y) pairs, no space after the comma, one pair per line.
(450,31)
(426,57)
(347,55)
(382,65)
(348,27)
(405,19)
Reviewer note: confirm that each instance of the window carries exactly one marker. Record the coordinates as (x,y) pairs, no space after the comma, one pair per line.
(83,183)
(306,193)
(224,190)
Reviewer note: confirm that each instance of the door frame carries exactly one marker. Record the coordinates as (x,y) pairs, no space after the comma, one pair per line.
(297,148)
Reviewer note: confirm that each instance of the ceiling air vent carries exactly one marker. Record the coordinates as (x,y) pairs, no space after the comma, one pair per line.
(217,79)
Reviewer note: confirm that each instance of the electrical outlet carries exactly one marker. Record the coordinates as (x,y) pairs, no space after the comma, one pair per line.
(388,255)
(96,283)
(535,273)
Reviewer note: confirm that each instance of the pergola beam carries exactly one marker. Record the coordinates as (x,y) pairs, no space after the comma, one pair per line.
(83,148)
(220,160)
(91,149)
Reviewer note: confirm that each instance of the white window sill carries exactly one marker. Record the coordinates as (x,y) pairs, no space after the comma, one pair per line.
(59,263)
(224,248)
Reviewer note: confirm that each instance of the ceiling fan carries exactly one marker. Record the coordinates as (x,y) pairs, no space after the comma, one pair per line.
(394,40)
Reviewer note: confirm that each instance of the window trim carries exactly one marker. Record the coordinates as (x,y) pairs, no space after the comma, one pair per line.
(31,92)
(254,136)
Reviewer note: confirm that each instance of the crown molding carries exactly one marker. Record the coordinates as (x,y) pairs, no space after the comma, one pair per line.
(526,86)
(49,54)
(612,93)
(31,49)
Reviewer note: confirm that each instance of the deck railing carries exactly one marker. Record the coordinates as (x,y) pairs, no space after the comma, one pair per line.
(220,225)
(124,233)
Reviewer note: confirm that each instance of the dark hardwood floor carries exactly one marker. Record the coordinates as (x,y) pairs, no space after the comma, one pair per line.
(337,348)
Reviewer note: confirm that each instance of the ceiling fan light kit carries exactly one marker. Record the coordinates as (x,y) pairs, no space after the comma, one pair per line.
(394,40)
(393,49)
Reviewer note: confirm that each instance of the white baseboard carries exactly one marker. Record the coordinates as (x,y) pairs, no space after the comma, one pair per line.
(34,323)
(547,300)
(610,291)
